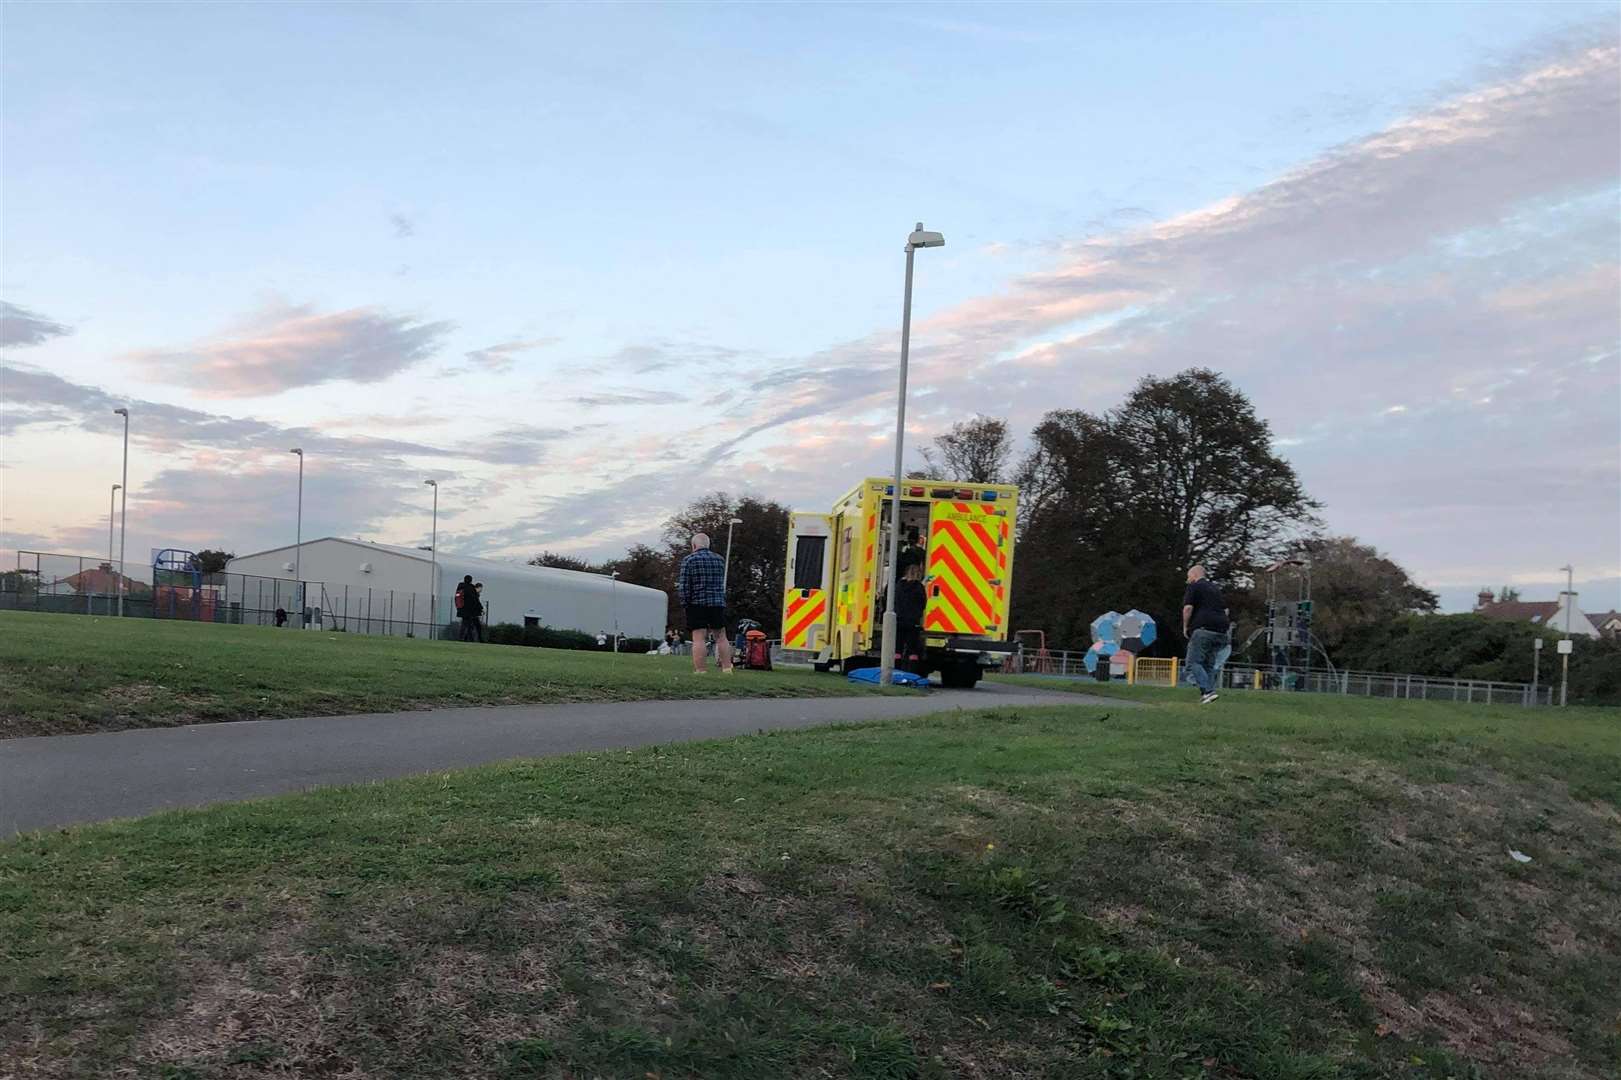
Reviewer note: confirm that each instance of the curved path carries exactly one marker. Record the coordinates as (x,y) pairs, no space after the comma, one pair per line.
(71,779)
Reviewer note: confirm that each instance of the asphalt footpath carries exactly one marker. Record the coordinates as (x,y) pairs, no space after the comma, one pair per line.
(56,781)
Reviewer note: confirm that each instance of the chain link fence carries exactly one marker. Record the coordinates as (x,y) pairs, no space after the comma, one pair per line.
(88,585)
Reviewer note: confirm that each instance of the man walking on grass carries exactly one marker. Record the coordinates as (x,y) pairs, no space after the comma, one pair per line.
(701,589)
(1204,624)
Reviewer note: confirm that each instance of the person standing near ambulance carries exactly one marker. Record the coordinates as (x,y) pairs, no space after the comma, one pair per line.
(700,586)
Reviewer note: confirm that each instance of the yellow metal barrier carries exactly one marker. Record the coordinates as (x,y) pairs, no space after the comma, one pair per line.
(1154,671)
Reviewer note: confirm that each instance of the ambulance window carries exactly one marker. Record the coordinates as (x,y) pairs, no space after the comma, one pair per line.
(844,553)
(808,555)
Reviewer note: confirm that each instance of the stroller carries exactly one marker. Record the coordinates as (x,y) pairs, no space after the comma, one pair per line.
(754,648)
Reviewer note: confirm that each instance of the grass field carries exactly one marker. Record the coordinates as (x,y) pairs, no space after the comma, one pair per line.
(70,674)
(1268,887)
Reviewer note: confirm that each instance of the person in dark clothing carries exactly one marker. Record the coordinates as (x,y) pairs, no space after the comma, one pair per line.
(468,608)
(1204,624)
(912,553)
(910,601)
(281,616)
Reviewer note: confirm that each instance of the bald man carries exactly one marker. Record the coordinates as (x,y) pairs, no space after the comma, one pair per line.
(1204,624)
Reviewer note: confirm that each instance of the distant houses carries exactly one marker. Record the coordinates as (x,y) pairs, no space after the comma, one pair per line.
(1551,614)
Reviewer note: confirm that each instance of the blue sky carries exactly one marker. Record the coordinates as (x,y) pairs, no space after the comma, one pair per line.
(581,262)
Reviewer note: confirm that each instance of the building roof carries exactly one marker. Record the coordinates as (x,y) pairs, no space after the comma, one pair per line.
(444,557)
(1604,619)
(101,579)
(1534,611)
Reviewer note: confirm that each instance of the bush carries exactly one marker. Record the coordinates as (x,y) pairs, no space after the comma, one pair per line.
(545,637)
(1472,647)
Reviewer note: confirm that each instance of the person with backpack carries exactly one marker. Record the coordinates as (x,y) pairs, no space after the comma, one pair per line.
(468,608)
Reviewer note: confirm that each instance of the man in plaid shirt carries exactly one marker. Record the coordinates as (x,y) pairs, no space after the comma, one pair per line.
(701,589)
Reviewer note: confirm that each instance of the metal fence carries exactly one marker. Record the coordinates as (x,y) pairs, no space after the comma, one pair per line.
(1169,671)
(89,585)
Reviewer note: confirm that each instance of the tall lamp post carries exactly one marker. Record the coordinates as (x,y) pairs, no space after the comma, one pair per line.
(112,516)
(886,662)
(613,585)
(298,540)
(123,514)
(1565,646)
(726,570)
(433,574)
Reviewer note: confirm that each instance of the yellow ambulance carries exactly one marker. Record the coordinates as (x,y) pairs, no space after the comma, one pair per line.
(837,571)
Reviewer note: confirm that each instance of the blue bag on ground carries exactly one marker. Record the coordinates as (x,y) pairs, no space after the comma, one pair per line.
(902,678)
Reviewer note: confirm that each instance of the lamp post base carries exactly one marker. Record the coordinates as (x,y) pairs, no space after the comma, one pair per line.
(886,660)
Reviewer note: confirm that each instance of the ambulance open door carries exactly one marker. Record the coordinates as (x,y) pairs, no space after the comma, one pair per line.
(807,616)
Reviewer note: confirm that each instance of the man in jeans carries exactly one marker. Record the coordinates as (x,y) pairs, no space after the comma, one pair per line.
(701,589)
(1204,624)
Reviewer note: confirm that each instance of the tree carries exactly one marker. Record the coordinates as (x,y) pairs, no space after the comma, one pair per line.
(1354,587)
(558,561)
(759,551)
(212,561)
(1116,507)
(973,451)
(1508,594)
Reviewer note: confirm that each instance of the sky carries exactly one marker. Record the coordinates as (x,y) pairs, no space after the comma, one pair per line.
(581,264)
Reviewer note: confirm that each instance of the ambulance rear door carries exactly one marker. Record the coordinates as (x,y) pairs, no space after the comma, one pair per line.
(807,617)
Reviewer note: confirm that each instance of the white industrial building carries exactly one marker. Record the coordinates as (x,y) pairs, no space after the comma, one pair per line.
(386,589)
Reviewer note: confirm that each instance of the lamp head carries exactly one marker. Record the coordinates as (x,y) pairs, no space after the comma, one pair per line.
(921,238)
(296,450)
(121,412)
(117,486)
(431,483)
(735,521)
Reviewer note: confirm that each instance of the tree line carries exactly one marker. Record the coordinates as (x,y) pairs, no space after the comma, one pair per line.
(1114,506)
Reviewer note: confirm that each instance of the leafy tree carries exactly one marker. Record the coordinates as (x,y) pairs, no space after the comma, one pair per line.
(759,548)
(1116,507)
(19,581)
(976,451)
(1507,594)
(558,561)
(212,561)
(1354,587)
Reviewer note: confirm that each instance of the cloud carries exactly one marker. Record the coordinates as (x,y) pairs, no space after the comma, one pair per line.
(403,226)
(646,358)
(1461,260)
(636,397)
(499,359)
(39,399)
(285,347)
(19,326)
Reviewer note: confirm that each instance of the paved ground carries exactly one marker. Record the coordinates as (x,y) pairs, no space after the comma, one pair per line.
(70,779)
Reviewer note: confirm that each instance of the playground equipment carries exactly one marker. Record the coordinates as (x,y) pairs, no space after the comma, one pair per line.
(1118,639)
(178,591)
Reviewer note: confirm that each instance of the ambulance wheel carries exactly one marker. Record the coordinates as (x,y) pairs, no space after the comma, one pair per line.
(822,666)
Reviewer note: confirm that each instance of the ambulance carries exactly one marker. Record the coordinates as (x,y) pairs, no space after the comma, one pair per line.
(837,570)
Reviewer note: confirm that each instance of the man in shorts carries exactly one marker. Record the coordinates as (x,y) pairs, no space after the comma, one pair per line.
(701,589)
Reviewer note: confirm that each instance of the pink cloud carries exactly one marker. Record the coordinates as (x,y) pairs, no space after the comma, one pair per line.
(285,347)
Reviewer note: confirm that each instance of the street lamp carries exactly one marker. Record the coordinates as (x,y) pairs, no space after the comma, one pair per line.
(123,509)
(726,570)
(1564,646)
(298,541)
(886,662)
(112,515)
(433,574)
(613,587)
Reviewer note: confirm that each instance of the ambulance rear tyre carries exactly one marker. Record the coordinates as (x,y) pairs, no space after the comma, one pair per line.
(959,676)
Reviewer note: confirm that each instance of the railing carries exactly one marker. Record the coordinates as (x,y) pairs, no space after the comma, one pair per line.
(1171,672)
